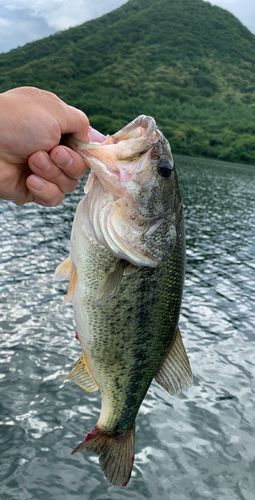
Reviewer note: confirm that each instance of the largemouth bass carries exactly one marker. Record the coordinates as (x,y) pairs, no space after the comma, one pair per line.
(126,270)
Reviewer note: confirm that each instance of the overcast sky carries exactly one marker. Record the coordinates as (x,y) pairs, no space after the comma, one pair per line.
(23,21)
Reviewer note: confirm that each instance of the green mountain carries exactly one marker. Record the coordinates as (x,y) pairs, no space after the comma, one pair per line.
(185,62)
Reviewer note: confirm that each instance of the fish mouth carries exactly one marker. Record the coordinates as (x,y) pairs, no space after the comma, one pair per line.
(121,157)
(123,170)
(142,127)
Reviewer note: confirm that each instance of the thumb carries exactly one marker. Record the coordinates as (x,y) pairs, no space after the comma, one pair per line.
(75,122)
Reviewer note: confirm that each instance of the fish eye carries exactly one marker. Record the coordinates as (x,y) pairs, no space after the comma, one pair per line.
(165,168)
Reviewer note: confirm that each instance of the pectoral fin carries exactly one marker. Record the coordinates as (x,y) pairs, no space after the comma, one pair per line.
(63,271)
(110,283)
(175,373)
(80,374)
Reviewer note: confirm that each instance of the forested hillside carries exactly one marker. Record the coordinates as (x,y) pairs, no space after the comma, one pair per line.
(187,63)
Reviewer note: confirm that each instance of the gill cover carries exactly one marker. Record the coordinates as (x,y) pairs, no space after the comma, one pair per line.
(127,207)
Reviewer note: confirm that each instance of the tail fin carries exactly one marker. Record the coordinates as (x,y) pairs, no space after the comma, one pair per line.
(116,453)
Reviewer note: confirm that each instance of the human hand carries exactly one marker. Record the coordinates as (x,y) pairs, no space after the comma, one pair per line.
(33,166)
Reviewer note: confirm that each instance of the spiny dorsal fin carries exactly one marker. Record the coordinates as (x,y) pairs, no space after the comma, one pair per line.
(63,271)
(116,453)
(80,374)
(110,284)
(175,374)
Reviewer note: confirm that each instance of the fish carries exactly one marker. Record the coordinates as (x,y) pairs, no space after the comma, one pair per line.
(126,274)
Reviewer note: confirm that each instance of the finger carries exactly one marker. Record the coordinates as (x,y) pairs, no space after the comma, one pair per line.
(41,165)
(95,136)
(69,161)
(74,121)
(45,193)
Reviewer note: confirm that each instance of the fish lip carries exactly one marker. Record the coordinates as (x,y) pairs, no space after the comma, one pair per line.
(144,122)
(136,139)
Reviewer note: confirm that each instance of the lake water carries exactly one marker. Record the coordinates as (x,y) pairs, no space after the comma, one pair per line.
(197,445)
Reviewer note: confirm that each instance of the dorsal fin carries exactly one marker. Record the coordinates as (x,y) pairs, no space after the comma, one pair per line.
(81,375)
(175,374)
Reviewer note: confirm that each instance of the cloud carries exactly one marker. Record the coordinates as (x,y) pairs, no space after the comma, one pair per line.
(61,14)
(18,27)
(23,21)
(244,10)
(3,22)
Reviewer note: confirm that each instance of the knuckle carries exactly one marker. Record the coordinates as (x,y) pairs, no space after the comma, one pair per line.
(71,186)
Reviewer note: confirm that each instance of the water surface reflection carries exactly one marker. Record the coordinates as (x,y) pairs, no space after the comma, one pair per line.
(197,445)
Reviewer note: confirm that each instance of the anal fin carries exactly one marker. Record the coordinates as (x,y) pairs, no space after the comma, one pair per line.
(80,374)
(175,374)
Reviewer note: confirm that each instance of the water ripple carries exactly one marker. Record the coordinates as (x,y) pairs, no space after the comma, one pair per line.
(197,445)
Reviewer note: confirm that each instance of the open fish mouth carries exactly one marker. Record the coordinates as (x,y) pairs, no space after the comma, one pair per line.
(127,202)
(143,128)
(122,157)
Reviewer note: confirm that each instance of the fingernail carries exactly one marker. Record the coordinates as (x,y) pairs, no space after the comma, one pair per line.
(96,136)
(36,183)
(42,162)
(63,158)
